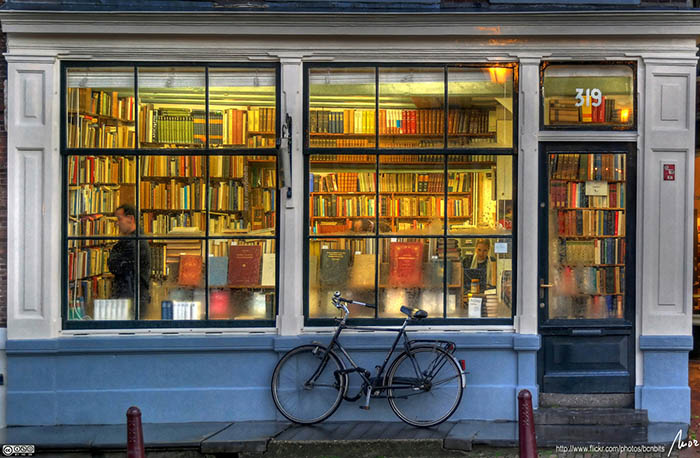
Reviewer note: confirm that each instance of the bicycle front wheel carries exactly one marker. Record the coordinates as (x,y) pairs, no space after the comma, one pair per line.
(305,387)
(425,386)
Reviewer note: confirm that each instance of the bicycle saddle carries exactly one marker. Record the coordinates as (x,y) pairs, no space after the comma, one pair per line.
(417,314)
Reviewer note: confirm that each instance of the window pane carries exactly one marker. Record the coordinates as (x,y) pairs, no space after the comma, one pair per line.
(411,107)
(342,107)
(97,185)
(242,108)
(172,193)
(176,279)
(587,215)
(242,278)
(242,195)
(342,194)
(482,278)
(480,194)
(481,107)
(345,265)
(411,273)
(100,104)
(411,194)
(172,107)
(97,289)
(588,95)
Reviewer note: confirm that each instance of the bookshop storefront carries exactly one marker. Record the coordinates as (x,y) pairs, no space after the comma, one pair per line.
(182,205)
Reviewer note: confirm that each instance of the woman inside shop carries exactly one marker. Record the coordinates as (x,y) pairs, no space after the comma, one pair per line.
(482,266)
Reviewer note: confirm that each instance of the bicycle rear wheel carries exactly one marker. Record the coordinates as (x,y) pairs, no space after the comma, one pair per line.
(301,397)
(429,398)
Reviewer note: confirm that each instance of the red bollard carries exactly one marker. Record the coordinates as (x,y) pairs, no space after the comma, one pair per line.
(134,434)
(526,425)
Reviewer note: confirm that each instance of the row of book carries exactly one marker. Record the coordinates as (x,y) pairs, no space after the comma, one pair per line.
(365,206)
(172,196)
(89,101)
(585,166)
(93,224)
(398,121)
(228,196)
(222,247)
(262,177)
(403,158)
(81,295)
(397,182)
(592,280)
(87,262)
(342,182)
(591,222)
(173,166)
(341,143)
(425,207)
(101,170)
(565,111)
(152,223)
(598,251)
(85,131)
(87,200)
(587,307)
(575,195)
(411,182)
(181,310)
(266,199)
(113,309)
(187,126)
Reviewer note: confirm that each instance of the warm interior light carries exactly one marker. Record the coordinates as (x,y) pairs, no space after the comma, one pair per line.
(624,115)
(498,74)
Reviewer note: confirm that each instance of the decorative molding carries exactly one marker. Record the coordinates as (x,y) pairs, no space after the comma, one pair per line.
(496,24)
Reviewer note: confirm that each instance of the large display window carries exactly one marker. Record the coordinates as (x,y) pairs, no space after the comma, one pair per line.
(410,190)
(170,185)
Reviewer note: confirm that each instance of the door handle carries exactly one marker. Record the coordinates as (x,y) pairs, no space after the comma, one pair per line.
(546,285)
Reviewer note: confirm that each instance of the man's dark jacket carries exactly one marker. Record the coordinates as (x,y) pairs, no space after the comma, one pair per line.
(122,264)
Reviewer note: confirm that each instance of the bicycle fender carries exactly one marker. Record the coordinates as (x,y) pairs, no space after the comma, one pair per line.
(459,366)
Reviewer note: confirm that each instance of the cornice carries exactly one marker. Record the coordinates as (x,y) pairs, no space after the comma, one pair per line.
(487,24)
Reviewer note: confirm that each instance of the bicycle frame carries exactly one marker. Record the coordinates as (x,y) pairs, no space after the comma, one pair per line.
(372,384)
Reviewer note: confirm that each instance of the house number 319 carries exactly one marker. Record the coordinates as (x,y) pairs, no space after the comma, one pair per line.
(593,94)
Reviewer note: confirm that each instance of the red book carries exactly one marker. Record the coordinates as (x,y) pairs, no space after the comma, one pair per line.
(219,300)
(190,273)
(244,265)
(406,264)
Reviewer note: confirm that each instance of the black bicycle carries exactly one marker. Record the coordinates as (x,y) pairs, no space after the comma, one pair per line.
(423,384)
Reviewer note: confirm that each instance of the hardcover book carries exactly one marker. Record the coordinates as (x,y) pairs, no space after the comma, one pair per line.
(218,270)
(244,265)
(268,270)
(190,273)
(362,272)
(405,262)
(334,267)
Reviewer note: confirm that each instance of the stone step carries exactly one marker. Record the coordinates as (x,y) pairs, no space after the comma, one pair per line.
(590,416)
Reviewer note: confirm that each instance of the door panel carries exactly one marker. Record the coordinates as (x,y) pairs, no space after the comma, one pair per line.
(586,299)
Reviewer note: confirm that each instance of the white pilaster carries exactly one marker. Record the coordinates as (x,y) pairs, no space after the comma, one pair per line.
(665,207)
(291,314)
(528,151)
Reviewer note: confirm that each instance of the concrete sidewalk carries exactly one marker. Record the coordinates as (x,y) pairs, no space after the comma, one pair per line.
(276,439)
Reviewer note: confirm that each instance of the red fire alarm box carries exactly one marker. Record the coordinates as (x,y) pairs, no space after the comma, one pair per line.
(669,172)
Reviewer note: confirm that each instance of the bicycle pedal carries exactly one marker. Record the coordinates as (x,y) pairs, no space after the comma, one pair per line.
(364,407)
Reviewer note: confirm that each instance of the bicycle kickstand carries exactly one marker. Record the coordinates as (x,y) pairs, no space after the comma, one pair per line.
(368,389)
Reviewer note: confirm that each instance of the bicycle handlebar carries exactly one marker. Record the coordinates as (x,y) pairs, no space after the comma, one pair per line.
(337,299)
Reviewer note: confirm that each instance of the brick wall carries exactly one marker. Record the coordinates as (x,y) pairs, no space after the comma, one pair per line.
(3,184)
